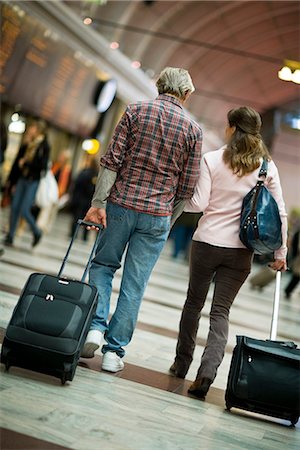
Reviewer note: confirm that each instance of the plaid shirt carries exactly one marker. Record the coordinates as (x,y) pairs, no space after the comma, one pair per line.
(156,151)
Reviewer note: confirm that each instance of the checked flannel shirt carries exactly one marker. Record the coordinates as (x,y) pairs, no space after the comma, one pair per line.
(156,152)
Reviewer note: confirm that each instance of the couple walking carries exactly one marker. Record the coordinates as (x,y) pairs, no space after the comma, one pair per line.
(149,175)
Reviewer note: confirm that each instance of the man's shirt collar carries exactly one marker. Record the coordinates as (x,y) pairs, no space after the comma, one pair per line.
(170,98)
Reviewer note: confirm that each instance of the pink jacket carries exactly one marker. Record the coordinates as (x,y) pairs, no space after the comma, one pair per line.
(219,195)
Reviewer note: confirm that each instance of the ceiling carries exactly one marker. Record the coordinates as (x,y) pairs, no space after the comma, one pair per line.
(233,49)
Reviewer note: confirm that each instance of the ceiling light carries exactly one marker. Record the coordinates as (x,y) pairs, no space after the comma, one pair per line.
(290,71)
(296,76)
(285,74)
(87,21)
(114,45)
(136,64)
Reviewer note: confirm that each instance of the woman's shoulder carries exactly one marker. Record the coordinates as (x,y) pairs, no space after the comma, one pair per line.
(272,168)
(214,156)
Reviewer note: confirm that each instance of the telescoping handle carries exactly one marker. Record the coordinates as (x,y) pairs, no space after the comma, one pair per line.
(87,267)
(274,323)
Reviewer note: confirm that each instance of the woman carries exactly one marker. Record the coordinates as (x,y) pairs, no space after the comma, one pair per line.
(226,176)
(29,165)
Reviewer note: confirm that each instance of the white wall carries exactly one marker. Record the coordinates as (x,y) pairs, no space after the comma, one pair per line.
(286,154)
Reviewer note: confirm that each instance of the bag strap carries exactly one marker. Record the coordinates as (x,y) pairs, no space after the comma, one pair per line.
(264,169)
(259,184)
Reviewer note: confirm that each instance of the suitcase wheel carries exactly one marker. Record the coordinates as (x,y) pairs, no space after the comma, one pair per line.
(294,420)
(63,378)
(228,406)
(7,366)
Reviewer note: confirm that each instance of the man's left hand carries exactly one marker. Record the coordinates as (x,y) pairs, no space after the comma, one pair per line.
(96,215)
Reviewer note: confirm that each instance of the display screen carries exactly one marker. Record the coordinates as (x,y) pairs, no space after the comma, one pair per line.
(42,74)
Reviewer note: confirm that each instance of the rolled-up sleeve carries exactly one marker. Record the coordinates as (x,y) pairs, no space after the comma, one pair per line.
(191,167)
(200,200)
(116,151)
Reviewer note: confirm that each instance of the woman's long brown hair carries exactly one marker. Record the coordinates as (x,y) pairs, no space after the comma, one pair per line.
(246,147)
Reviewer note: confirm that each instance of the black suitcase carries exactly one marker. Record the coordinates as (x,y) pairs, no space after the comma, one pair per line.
(50,322)
(264,375)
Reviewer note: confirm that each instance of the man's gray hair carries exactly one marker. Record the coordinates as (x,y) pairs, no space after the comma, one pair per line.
(175,81)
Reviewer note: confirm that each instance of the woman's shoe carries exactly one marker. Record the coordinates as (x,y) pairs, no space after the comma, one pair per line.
(176,372)
(200,387)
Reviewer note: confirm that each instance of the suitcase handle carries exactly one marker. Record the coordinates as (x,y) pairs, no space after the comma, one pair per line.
(288,344)
(81,222)
(274,323)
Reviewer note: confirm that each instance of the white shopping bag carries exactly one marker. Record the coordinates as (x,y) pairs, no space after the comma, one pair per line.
(47,192)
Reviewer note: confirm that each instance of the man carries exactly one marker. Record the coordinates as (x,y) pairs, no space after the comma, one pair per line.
(149,170)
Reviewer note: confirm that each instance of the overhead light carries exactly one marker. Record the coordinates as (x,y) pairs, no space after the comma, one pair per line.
(87,21)
(285,74)
(290,71)
(114,45)
(136,64)
(91,146)
(296,76)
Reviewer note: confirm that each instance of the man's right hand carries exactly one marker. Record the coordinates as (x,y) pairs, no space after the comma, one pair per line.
(96,215)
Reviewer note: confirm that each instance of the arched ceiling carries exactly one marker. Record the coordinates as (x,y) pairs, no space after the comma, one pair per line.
(233,49)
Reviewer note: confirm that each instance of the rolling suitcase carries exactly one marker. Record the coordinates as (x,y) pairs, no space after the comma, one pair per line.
(264,375)
(262,278)
(50,322)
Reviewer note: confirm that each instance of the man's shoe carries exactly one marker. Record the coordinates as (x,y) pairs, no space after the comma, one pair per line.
(92,343)
(36,239)
(8,241)
(111,362)
(176,372)
(200,387)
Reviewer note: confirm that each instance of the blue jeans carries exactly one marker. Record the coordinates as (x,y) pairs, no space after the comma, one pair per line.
(144,235)
(21,206)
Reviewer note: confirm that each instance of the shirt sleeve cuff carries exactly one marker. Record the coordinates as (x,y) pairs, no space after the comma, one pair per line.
(99,204)
(280,253)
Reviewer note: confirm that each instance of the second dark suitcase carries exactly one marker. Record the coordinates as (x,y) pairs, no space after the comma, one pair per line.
(264,375)
(50,322)
(262,278)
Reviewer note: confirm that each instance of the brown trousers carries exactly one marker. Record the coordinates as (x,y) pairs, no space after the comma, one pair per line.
(229,267)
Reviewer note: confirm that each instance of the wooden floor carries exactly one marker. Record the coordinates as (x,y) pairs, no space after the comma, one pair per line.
(142,407)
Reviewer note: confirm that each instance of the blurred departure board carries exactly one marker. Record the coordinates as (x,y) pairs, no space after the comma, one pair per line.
(40,72)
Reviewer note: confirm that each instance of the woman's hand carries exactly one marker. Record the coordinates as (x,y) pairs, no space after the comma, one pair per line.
(279,264)
(96,215)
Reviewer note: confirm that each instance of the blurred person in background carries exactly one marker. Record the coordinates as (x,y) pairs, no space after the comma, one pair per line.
(226,176)
(82,193)
(3,145)
(294,262)
(148,172)
(182,233)
(61,169)
(28,167)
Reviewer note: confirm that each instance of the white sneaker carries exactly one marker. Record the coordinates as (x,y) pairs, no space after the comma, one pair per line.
(112,362)
(92,343)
